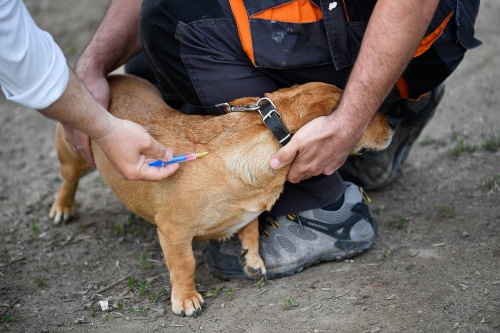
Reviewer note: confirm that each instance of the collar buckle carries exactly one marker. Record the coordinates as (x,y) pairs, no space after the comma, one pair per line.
(270,117)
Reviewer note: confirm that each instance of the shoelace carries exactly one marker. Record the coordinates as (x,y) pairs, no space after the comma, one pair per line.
(267,221)
(366,198)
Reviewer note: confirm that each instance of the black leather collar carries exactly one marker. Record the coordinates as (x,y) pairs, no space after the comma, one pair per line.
(270,117)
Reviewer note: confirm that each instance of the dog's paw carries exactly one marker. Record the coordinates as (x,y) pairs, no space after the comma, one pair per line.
(188,304)
(252,264)
(60,212)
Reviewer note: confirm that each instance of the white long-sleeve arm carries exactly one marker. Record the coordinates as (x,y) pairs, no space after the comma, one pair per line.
(33,69)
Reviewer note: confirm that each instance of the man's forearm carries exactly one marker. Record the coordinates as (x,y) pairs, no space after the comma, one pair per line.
(391,39)
(115,41)
(78,109)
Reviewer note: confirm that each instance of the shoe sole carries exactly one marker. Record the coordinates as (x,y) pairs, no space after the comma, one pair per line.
(323,258)
(339,256)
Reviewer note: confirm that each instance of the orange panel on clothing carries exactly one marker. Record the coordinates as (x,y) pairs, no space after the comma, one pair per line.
(431,38)
(402,86)
(299,11)
(404,91)
(243,24)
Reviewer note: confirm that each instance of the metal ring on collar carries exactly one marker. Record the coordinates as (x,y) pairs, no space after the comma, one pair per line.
(240,108)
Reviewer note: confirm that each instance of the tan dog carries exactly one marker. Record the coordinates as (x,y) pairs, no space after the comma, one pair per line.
(214,196)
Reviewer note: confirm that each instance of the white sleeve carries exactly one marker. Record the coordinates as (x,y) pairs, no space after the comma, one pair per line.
(33,69)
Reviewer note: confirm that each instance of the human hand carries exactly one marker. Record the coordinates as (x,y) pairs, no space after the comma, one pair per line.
(319,147)
(80,143)
(128,145)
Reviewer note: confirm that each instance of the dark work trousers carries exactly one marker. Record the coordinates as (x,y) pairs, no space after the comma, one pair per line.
(194,54)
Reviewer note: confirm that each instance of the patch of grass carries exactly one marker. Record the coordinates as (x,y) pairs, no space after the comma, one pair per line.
(143,311)
(131,283)
(462,147)
(120,305)
(6,254)
(446,211)
(92,311)
(135,226)
(35,229)
(427,141)
(131,218)
(229,293)
(143,287)
(107,315)
(289,304)
(492,144)
(118,230)
(260,282)
(145,264)
(155,297)
(7,315)
(386,252)
(212,292)
(401,222)
(41,281)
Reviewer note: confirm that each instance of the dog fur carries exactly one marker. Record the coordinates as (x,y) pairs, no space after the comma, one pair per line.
(214,196)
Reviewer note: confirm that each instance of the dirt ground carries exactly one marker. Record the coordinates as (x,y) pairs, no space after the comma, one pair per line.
(434,268)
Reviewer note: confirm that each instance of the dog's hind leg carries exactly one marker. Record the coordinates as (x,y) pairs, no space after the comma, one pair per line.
(72,167)
(252,263)
(178,252)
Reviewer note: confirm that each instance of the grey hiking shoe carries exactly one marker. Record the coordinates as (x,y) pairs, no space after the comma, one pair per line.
(376,170)
(288,244)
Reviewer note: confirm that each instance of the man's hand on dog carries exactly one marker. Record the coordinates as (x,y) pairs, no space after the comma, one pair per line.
(319,147)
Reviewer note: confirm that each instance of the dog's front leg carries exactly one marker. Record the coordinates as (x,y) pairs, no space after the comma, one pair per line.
(252,263)
(178,251)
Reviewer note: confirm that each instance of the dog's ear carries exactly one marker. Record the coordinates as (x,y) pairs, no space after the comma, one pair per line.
(377,136)
(300,104)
